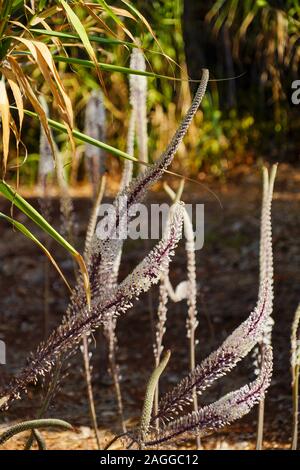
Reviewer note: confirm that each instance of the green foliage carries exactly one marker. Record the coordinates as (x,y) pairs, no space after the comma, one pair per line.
(262,44)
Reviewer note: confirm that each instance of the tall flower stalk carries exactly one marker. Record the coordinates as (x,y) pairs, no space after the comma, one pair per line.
(295,365)
(174,422)
(210,418)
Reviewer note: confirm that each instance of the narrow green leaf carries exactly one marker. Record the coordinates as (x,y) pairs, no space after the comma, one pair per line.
(110,67)
(27,209)
(110,12)
(42,4)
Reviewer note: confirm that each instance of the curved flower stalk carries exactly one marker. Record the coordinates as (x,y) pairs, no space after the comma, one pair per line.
(110,249)
(95,127)
(234,348)
(135,191)
(165,291)
(34,425)
(81,320)
(138,122)
(229,408)
(149,397)
(138,116)
(180,293)
(105,250)
(265,261)
(295,365)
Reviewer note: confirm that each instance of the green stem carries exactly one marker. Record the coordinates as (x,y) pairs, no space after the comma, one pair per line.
(295,407)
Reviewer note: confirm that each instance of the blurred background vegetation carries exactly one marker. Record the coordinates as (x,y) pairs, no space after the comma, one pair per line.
(242,120)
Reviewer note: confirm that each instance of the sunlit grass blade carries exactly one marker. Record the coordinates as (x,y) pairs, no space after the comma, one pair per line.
(18,98)
(28,234)
(27,209)
(79,28)
(110,67)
